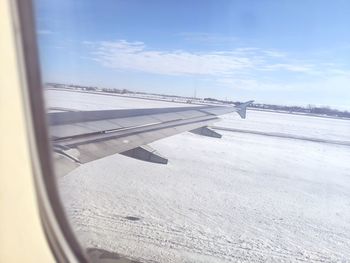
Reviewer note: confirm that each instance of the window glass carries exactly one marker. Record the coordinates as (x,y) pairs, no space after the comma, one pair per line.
(200,131)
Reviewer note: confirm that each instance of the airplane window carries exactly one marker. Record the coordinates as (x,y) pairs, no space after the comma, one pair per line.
(199,131)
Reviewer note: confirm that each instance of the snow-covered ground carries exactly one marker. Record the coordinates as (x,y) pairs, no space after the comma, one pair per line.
(88,101)
(244,197)
(302,125)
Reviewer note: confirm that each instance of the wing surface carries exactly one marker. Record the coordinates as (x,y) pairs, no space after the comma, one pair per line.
(81,137)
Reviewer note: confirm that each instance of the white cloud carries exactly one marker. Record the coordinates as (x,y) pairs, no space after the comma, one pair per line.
(125,55)
(307,68)
(249,69)
(136,56)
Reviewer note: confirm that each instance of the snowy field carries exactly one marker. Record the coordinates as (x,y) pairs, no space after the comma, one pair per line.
(87,101)
(242,198)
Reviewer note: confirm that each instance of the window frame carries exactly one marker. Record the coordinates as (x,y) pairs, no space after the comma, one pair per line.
(59,234)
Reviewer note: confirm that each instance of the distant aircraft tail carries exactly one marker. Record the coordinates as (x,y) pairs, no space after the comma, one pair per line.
(242,108)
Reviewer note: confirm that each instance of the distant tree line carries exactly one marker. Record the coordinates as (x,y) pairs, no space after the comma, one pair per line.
(310,109)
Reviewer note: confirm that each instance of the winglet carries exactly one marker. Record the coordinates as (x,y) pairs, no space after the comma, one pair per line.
(242,108)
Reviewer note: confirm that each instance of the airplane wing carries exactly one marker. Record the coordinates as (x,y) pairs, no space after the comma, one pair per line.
(81,137)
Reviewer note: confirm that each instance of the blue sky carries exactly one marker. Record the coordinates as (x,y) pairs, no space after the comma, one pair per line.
(283,52)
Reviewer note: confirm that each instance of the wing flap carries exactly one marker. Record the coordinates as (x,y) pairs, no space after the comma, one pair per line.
(101,145)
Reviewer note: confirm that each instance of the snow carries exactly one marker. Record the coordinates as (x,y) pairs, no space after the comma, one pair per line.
(241,198)
(89,101)
(316,127)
